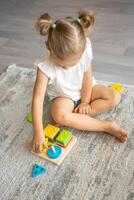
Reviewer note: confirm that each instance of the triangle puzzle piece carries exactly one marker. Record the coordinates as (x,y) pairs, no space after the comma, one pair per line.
(37,170)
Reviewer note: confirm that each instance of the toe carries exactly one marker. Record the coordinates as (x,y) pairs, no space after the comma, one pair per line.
(124,137)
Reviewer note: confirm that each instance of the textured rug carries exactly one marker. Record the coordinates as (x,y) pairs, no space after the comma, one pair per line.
(99,167)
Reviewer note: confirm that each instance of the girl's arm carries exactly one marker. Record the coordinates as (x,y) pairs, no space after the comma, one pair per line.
(37,109)
(87,86)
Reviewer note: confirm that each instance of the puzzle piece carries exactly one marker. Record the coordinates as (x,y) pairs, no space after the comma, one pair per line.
(117,87)
(44,149)
(37,170)
(54,152)
(29,118)
(51,131)
(64,146)
(50,143)
(64,136)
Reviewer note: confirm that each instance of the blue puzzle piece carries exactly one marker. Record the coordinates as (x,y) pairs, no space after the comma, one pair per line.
(37,170)
(56,154)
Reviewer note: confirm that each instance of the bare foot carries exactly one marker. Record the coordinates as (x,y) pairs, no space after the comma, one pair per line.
(116,131)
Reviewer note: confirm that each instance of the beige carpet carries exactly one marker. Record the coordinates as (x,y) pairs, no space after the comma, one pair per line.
(99,167)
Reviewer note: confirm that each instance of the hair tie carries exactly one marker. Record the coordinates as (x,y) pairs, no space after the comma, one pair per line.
(78,20)
(53,25)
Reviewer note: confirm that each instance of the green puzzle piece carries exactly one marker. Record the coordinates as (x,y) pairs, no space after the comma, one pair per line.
(64,136)
(29,118)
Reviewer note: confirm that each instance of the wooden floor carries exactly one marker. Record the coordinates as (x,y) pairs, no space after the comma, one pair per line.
(112,38)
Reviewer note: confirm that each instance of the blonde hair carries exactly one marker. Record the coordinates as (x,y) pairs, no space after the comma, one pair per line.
(65,36)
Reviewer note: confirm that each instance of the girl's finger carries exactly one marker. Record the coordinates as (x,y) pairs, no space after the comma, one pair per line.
(76,109)
(83,111)
(80,110)
(40,148)
(37,148)
(87,111)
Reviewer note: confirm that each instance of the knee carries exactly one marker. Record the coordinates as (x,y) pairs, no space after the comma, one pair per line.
(60,117)
(115,98)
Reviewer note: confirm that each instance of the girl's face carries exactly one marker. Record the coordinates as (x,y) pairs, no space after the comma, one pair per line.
(70,61)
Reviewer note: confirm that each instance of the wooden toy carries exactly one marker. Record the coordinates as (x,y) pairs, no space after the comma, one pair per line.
(37,170)
(50,143)
(63,137)
(61,143)
(51,131)
(29,118)
(117,87)
(54,152)
(64,152)
(53,149)
(64,146)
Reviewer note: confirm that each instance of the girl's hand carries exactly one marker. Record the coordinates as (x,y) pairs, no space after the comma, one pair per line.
(38,141)
(83,108)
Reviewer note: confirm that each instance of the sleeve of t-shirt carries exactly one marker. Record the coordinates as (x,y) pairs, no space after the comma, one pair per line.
(88,54)
(46,69)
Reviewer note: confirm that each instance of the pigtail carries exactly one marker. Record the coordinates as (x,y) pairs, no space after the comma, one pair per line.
(87,20)
(43,24)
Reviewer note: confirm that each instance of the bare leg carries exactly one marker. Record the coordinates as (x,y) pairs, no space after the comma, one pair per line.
(62,113)
(85,122)
(102,99)
(99,106)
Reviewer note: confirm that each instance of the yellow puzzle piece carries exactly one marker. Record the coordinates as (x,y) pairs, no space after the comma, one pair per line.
(44,148)
(51,131)
(117,87)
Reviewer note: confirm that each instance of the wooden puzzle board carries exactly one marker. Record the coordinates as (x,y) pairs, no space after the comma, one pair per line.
(64,153)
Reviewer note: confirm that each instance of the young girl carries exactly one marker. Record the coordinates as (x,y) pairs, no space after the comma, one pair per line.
(75,96)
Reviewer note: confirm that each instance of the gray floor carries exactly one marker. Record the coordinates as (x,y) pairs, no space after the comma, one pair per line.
(112,37)
(98,167)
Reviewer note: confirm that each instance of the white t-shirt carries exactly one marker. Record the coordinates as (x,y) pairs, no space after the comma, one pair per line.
(66,82)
